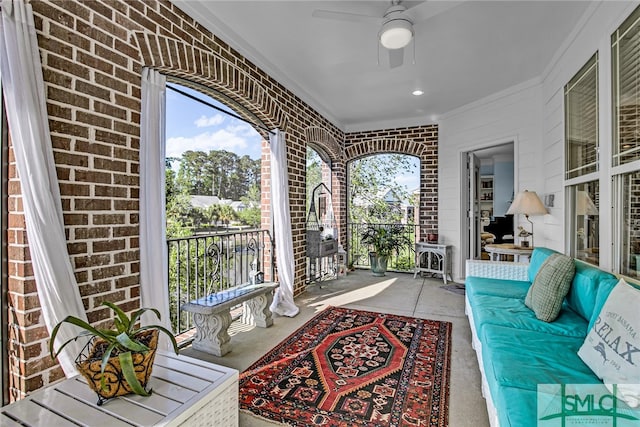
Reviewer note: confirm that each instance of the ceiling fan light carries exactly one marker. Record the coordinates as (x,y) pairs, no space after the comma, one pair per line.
(396,33)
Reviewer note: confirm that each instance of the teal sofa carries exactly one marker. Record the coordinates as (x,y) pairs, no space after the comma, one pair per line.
(515,350)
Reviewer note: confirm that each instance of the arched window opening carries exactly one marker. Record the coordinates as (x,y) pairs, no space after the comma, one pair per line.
(213,167)
(213,177)
(384,188)
(383,192)
(322,228)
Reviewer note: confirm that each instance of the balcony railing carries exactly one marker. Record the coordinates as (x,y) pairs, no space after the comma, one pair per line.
(207,264)
(358,254)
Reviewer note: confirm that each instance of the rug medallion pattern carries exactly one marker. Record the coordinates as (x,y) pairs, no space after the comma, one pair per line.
(354,368)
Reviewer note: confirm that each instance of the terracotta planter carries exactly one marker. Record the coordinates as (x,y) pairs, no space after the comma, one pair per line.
(115,382)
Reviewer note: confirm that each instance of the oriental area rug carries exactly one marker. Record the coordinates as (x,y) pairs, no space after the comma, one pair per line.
(354,368)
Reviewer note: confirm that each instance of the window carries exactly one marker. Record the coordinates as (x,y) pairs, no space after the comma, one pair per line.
(581,145)
(581,120)
(625,57)
(4,247)
(584,202)
(630,224)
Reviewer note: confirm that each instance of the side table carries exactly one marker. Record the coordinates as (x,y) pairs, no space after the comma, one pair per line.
(433,258)
(186,392)
(499,252)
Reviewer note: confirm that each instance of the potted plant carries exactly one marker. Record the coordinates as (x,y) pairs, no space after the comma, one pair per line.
(116,361)
(383,240)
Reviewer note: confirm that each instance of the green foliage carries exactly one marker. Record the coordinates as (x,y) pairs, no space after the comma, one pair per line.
(250,216)
(370,179)
(217,173)
(226,214)
(121,340)
(403,263)
(313,174)
(385,239)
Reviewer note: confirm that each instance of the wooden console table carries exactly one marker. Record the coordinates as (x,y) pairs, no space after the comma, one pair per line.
(186,392)
(499,252)
(433,258)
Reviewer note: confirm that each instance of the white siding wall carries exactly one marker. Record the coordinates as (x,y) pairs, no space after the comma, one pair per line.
(531,115)
(513,115)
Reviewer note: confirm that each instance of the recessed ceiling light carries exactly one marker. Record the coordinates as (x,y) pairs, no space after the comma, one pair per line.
(417,92)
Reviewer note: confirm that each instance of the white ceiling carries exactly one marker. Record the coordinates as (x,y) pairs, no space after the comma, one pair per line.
(471,50)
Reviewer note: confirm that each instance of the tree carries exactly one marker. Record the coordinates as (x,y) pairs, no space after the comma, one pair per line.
(218,173)
(369,179)
(227,214)
(314,173)
(251,214)
(179,216)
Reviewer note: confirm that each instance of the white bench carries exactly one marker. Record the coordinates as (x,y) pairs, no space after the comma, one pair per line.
(212,315)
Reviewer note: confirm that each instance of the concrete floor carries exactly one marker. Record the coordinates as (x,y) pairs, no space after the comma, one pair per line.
(396,293)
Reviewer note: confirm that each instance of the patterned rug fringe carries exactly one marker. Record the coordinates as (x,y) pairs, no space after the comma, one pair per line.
(258,417)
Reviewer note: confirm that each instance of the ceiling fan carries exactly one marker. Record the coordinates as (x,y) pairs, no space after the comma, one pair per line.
(396,24)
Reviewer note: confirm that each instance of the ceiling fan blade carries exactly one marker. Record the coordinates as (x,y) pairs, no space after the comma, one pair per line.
(409,4)
(396,57)
(345,16)
(429,9)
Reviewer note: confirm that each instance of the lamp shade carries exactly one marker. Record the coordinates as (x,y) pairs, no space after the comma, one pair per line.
(584,204)
(396,33)
(527,203)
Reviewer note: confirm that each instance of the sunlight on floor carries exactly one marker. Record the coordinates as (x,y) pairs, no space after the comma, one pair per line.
(354,296)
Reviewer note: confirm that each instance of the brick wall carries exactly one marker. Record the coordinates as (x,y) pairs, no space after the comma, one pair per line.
(93,53)
(419,141)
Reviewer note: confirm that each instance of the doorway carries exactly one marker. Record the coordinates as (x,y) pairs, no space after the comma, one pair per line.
(487,195)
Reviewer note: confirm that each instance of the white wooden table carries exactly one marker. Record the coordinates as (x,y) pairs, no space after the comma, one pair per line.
(500,252)
(186,392)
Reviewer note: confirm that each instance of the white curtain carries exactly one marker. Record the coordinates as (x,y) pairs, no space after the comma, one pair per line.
(29,128)
(283,303)
(154,267)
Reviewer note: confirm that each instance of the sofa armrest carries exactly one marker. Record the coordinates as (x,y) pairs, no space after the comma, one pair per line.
(498,270)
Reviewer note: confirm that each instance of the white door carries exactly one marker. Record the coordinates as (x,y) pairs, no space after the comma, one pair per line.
(473,206)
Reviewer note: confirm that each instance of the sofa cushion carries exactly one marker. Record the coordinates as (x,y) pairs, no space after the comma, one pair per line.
(524,359)
(493,310)
(551,285)
(538,256)
(612,346)
(496,287)
(587,282)
(516,407)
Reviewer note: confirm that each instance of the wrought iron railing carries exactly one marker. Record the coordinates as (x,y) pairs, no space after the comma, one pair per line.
(358,254)
(207,264)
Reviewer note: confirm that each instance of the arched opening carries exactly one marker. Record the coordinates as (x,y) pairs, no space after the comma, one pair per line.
(321,220)
(213,190)
(213,166)
(383,190)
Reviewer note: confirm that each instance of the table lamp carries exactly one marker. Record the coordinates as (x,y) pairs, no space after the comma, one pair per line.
(527,203)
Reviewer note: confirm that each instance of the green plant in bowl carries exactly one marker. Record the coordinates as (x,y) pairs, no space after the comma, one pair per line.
(120,358)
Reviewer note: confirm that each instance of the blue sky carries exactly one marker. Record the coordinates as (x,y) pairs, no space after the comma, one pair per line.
(195,126)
